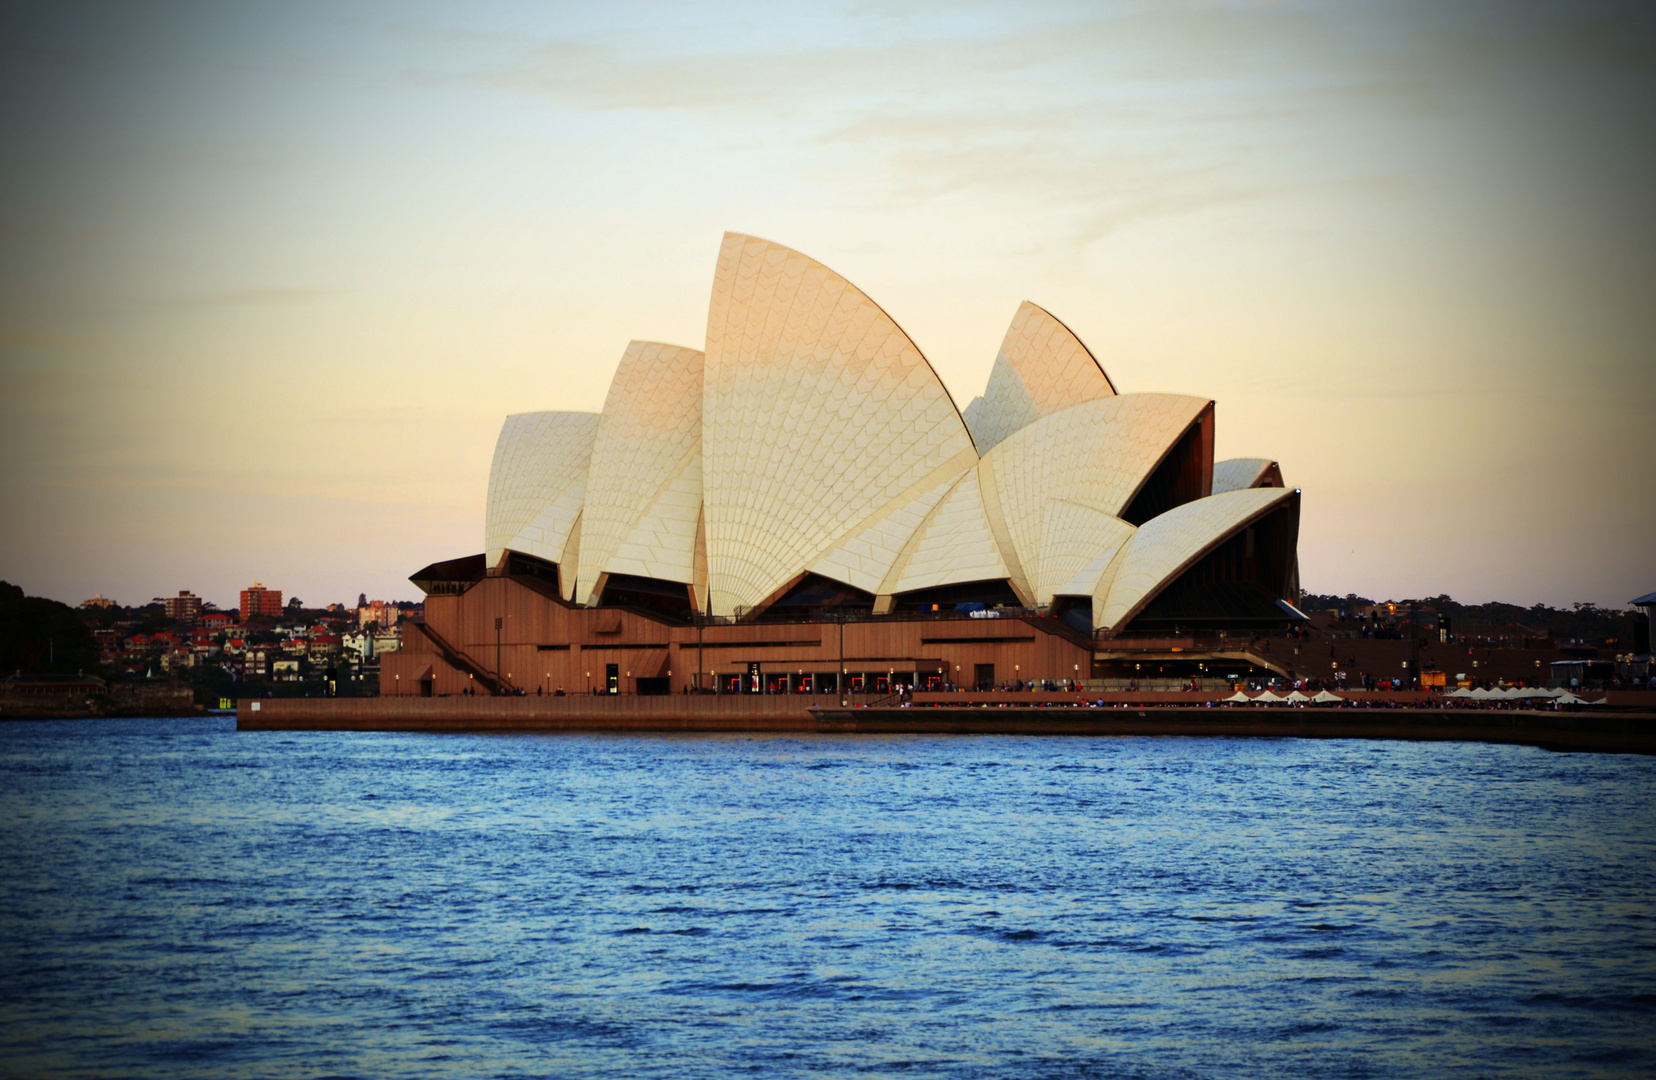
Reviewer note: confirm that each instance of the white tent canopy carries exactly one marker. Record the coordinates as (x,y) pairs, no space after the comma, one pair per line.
(1297,697)
(1239,696)
(1324,697)
(1268,698)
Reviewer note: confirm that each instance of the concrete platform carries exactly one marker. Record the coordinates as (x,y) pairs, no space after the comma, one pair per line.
(1610,732)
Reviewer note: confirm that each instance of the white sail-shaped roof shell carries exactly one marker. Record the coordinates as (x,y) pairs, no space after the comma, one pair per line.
(866,558)
(644,492)
(1236,474)
(812,437)
(1042,368)
(1097,454)
(954,546)
(818,413)
(1077,544)
(537,484)
(1168,544)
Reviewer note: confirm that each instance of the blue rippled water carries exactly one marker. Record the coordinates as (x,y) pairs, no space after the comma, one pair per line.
(178,899)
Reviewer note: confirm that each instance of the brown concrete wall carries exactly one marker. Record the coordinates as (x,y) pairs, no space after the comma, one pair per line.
(1585,730)
(586,640)
(751,712)
(642,647)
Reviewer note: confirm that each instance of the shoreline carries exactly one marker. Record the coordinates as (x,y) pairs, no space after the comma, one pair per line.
(1592,730)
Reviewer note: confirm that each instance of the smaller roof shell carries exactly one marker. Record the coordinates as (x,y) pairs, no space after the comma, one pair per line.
(1097,454)
(1042,368)
(1238,473)
(537,483)
(644,486)
(954,545)
(1166,545)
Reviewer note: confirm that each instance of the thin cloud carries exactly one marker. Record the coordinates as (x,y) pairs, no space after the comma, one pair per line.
(234,298)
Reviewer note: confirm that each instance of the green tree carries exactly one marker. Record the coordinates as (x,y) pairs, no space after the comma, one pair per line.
(41,635)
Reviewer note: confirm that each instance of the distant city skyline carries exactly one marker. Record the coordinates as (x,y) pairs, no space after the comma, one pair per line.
(272,278)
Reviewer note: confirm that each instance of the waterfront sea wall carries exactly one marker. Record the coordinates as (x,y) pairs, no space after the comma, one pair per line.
(1601,729)
(144,698)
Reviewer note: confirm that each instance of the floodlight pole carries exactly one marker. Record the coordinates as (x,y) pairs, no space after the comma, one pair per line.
(839,677)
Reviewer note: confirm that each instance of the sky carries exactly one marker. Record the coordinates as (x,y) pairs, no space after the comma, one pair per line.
(272,275)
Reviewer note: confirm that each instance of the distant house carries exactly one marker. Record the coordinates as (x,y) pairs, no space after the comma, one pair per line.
(358,642)
(259,660)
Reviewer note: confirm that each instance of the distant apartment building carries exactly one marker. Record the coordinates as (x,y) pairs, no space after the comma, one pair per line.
(381,612)
(109,646)
(217,620)
(258,600)
(99,601)
(184,608)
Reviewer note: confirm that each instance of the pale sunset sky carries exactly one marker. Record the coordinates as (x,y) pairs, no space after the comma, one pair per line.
(271,276)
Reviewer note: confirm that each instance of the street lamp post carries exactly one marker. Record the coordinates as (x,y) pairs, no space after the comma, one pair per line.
(839,680)
(499,622)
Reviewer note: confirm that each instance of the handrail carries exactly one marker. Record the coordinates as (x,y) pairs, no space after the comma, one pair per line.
(459,659)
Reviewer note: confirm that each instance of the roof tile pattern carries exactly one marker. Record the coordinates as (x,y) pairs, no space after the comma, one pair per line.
(1238,473)
(955,546)
(1168,544)
(817,412)
(1077,543)
(645,486)
(1096,454)
(1042,368)
(865,559)
(537,483)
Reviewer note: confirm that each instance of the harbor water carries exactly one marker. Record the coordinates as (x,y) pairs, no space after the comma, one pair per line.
(178,899)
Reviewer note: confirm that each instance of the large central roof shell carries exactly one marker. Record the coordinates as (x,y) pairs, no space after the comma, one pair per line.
(819,417)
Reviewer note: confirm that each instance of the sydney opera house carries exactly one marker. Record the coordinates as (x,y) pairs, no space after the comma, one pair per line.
(800,506)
